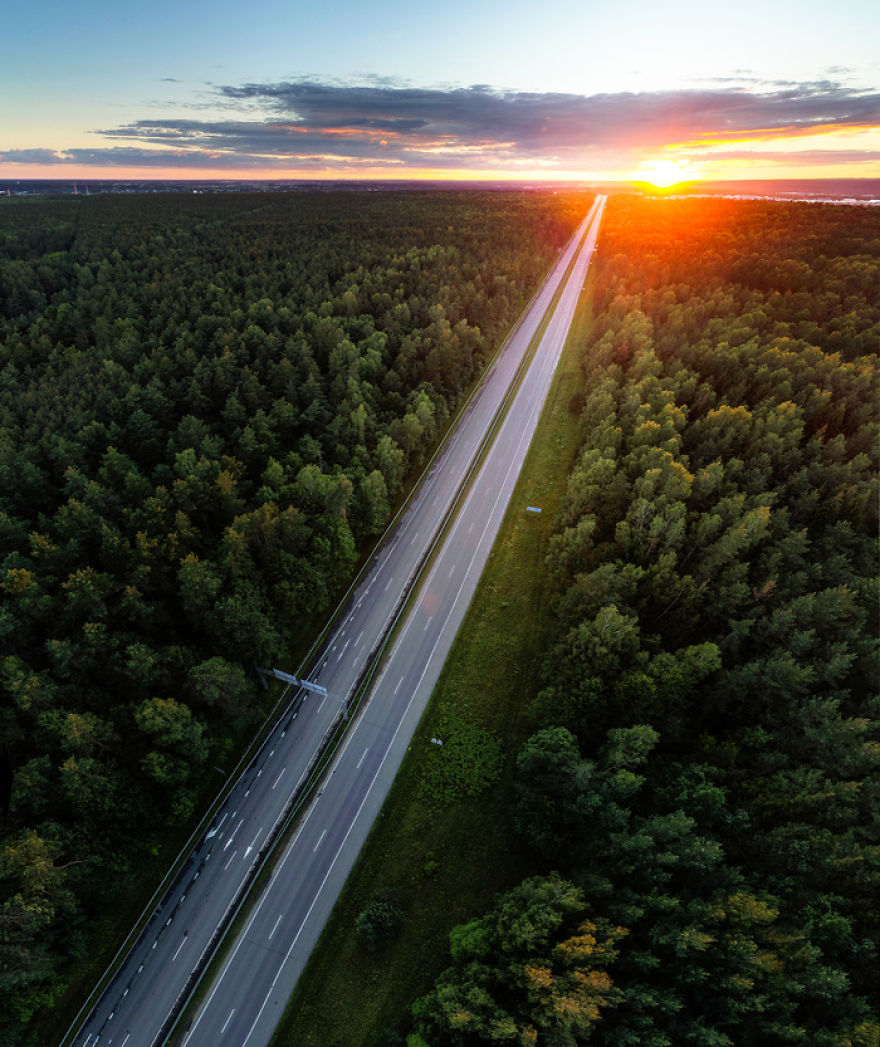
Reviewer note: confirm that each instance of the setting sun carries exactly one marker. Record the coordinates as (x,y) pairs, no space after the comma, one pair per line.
(665,173)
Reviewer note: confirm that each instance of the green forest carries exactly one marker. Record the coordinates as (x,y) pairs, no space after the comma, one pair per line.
(701,787)
(209,408)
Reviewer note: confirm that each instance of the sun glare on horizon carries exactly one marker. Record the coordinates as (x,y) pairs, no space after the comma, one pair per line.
(665,173)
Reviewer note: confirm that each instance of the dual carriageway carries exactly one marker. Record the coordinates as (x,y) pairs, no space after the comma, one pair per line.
(421,580)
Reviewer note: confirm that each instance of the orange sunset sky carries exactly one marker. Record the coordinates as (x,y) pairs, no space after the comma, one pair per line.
(460,91)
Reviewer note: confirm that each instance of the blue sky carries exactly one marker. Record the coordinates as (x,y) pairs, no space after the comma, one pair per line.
(479,88)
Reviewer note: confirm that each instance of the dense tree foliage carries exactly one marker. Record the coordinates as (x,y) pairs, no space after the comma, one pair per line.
(207,404)
(531,971)
(706,768)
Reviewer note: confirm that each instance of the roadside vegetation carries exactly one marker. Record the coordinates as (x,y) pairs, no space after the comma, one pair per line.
(208,408)
(701,792)
(682,676)
(445,843)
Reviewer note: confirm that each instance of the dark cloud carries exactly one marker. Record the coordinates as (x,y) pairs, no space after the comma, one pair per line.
(285,142)
(29,156)
(532,122)
(309,123)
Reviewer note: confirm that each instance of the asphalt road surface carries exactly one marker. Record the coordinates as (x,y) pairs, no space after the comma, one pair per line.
(248,997)
(245,1002)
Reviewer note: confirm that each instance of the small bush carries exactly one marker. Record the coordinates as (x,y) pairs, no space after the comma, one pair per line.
(378,923)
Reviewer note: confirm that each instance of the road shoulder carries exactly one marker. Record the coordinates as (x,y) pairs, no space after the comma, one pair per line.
(446,860)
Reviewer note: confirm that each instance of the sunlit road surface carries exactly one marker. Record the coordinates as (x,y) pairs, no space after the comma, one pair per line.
(245,1002)
(248,997)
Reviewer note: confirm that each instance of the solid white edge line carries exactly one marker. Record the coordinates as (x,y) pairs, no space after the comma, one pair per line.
(313,806)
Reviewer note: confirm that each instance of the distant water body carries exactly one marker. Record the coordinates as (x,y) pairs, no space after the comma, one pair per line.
(864,191)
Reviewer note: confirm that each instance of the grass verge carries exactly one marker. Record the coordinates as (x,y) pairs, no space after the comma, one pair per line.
(444,851)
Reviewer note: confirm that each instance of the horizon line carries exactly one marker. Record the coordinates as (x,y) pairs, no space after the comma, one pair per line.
(439,178)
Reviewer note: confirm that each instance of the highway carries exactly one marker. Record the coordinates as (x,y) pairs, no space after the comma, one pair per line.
(243,1006)
(249,995)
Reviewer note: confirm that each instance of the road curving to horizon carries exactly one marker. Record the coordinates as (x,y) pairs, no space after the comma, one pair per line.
(152,983)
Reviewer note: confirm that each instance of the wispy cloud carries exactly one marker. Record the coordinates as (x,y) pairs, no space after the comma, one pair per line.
(133,157)
(800,157)
(311,123)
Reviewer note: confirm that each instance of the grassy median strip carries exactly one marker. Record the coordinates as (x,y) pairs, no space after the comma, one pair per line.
(444,843)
